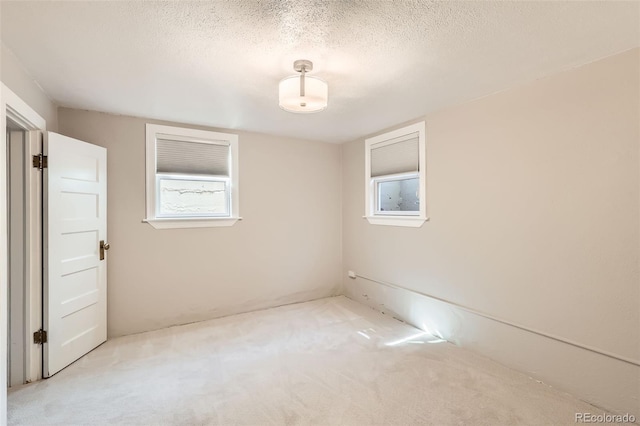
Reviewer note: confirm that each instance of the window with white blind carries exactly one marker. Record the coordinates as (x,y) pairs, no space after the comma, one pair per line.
(395,177)
(192,177)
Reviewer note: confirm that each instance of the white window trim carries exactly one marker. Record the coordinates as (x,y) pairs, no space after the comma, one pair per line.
(404,219)
(181,133)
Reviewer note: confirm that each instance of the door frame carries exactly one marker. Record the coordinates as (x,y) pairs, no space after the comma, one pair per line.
(12,106)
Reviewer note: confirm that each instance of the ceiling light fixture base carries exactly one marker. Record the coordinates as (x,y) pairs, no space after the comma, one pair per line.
(303,65)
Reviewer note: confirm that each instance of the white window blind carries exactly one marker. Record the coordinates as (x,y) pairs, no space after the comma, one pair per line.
(400,155)
(193,158)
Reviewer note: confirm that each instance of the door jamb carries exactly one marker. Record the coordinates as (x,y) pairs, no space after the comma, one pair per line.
(11,105)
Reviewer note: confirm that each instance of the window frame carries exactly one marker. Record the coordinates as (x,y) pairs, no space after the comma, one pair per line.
(394,218)
(153,131)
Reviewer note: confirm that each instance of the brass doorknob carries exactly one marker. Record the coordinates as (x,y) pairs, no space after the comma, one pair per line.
(103,247)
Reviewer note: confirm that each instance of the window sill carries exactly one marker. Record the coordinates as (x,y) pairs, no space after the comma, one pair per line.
(407,221)
(208,222)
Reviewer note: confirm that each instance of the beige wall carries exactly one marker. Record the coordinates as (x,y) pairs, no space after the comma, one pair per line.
(533,195)
(13,75)
(286,249)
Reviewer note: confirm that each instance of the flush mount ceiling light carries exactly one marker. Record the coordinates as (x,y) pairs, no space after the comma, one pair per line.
(301,93)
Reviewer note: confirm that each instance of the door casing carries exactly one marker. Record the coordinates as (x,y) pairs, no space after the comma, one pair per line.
(21,113)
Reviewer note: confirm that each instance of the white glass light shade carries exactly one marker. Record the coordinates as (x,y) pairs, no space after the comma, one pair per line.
(316,94)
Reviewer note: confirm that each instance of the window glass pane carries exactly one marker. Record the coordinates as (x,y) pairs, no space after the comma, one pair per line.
(399,195)
(183,197)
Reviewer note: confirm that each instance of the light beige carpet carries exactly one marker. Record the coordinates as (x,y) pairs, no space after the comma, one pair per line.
(326,362)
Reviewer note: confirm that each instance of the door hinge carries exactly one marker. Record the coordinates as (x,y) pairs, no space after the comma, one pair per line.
(40,161)
(40,337)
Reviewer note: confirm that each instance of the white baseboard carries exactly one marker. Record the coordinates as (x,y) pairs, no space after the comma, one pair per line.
(600,380)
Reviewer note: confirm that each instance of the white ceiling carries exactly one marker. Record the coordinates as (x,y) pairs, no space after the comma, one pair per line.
(218,63)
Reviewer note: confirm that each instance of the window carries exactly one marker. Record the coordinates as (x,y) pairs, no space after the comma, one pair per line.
(395,177)
(192,177)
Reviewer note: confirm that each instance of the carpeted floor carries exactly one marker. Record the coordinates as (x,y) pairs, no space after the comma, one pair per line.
(326,362)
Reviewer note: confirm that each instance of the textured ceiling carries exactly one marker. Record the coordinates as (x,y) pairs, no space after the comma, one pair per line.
(219,63)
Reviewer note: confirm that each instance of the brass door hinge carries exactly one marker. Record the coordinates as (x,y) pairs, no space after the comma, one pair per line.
(40,337)
(40,161)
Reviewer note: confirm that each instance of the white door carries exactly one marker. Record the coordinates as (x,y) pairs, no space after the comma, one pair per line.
(75,220)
